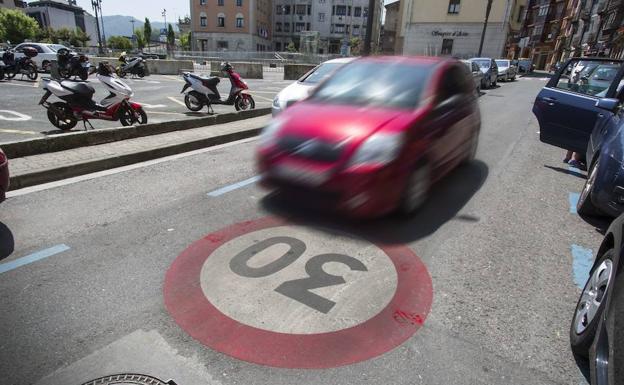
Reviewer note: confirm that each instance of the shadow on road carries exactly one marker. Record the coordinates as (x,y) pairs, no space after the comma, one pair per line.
(567,171)
(7,243)
(447,198)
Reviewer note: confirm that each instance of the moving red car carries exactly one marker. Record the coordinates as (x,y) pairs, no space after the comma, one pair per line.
(376,135)
(4,175)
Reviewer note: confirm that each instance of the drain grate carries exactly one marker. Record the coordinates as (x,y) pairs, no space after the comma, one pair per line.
(129,379)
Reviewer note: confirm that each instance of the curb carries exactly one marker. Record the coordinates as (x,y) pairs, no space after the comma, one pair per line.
(29,147)
(54,174)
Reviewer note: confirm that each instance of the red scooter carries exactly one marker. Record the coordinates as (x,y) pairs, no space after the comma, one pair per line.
(205,93)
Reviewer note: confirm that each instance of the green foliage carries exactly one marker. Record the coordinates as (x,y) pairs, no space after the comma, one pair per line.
(63,35)
(119,42)
(147,31)
(185,41)
(76,38)
(291,47)
(140,36)
(80,38)
(16,26)
(356,44)
(170,36)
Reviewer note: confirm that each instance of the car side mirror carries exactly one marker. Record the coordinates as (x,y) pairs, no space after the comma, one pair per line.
(609,104)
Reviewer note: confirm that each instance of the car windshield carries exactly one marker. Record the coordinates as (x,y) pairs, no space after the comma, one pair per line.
(524,62)
(320,73)
(375,83)
(502,63)
(483,63)
(56,47)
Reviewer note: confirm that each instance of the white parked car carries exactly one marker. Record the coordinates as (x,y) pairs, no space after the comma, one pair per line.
(507,70)
(45,53)
(302,87)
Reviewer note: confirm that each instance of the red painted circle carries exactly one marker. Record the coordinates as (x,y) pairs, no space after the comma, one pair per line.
(397,322)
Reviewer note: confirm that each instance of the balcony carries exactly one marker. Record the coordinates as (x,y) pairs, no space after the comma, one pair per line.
(585,15)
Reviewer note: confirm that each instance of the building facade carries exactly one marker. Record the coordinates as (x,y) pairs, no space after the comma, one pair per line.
(57,14)
(454,27)
(514,33)
(12,4)
(391,24)
(329,25)
(232,25)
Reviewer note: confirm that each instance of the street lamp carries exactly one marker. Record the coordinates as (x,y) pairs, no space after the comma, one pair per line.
(96,7)
(487,16)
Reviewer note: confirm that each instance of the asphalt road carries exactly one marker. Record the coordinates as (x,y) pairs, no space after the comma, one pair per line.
(21,117)
(498,240)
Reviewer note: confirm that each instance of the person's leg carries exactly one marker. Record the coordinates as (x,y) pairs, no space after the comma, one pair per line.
(576,160)
(568,156)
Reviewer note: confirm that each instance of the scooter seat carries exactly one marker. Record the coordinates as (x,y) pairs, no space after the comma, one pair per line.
(82,89)
(207,81)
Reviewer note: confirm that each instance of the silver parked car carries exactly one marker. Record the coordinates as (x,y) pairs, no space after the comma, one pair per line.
(489,69)
(507,70)
(477,75)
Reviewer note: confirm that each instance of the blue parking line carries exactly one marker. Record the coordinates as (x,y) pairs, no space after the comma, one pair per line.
(34,257)
(573,198)
(234,186)
(582,259)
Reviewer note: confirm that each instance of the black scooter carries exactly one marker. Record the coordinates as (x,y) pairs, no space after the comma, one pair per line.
(22,65)
(72,64)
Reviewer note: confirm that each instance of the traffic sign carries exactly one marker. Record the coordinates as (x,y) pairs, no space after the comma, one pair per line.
(276,293)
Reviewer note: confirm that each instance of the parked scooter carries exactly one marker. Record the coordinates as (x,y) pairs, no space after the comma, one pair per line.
(133,66)
(77,103)
(22,65)
(205,93)
(72,64)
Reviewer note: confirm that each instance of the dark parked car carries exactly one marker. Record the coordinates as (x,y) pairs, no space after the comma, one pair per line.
(490,71)
(579,113)
(525,65)
(4,175)
(597,329)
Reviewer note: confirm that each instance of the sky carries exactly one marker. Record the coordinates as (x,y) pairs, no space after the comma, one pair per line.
(141,9)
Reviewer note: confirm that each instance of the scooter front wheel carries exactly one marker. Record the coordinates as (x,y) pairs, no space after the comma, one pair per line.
(60,115)
(10,73)
(192,103)
(244,102)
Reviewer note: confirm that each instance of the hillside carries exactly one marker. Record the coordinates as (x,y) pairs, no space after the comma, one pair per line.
(121,25)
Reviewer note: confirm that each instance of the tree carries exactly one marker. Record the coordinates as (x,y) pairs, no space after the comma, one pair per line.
(355,44)
(185,41)
(63,35)
(140,37)
(170,37)
(17,26)
(80,38)
(147,32)
(119,42)
(291,47)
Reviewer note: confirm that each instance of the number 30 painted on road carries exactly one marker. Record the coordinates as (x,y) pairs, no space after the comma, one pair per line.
(297,289)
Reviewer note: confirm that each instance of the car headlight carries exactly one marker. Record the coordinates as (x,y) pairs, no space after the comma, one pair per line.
(269,133)
(276,102)
(379,149)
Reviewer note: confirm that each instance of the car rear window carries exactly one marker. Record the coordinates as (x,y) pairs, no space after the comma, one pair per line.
(502,63)
(320,73)
(372,83)
(588,77)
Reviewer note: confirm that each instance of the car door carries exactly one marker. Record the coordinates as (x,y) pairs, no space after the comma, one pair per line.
(566,107)
(476,73)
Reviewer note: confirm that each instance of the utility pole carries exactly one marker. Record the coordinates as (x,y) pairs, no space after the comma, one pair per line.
(487,17)
(164,15)
(102,23)
(369,27)
(94,4)
(132,34)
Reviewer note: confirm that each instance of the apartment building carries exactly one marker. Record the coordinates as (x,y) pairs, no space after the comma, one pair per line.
(454,27)
(63,14)
(542,27)
(391,24)
(234,25)
(12,4)
(331,23)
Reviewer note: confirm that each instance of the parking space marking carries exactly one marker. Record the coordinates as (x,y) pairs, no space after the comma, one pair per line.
(34,257)
(22,132)
(166,113)
(17,116)
(573,199)
(172,77)
(262,97)
(176,100)
(264,92)
(147,105)
(581,264)
(35,84)
(234,186)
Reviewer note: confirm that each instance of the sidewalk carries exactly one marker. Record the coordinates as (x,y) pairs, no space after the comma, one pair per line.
(32,170)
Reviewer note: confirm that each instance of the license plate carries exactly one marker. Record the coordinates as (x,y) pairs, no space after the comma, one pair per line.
(300,175)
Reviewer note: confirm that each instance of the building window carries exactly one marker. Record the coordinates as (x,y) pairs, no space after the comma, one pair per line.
(239,3)
(287,10)
(321,17)
(286,27)
(203,21)
(220,3)
(309,9)
(543,11)
(521,11)
(278,46)
(221,20)
(539,29)
(299,27)
(307,26)
(279,9)
(365,12)
(239,20)
(356,30)
(357,11)
(447,47)
(322,1)
(300,9)
(341,10)
(349,11)
(202,2)
(453,7)
(278,27)
(338,28)
(222,44)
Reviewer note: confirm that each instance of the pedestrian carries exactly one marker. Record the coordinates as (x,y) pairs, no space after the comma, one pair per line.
(573,159)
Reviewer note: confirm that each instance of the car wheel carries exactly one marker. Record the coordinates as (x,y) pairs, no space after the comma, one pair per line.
(590,305)
(45,66)
(585,205)
(416,189)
